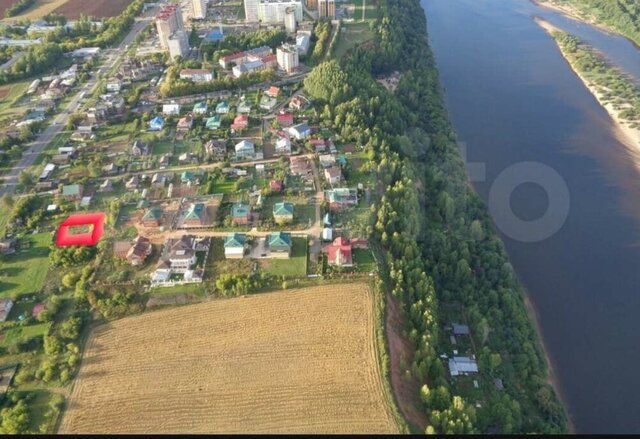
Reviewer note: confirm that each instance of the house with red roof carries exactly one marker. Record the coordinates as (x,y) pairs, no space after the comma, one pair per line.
(285,119)
(340,253)
(241,122)
(37,310)
(273,91)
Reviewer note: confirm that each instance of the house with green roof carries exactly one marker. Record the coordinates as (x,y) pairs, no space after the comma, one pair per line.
(283,213)
(279,245)
(234,244)
(213,123)
(200,108)
(72,192)
(196,215)
(340,198)
(152,217)
(222,108)
(187,176)
(240,214)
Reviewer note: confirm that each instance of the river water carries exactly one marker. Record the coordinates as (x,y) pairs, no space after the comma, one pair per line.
(513,99)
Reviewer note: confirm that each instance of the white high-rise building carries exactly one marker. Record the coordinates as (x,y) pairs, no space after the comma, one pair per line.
(274,11)
(178,44)
(251,10)
(199,9)
(290,22)
(288,58)
(168,21)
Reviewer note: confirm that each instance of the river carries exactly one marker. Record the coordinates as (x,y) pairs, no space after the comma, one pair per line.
(512,99)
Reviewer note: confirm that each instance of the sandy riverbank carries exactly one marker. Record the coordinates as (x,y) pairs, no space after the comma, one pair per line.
(622,129)
(571,12)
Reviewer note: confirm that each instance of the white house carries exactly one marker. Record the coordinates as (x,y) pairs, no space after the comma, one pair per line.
(300,132)
(245,149)
(283,146)
(114,86)
(171,109)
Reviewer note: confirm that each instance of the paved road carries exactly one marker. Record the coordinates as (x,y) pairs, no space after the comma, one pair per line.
(33,149)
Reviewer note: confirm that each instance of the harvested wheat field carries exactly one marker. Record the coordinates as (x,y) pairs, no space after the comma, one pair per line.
(73,9)
(299,361)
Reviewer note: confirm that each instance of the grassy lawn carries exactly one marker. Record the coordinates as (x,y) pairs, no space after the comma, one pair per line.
(294,267)
(16,90)
(24,271)
(351,35)
(364,261)
(370,9)
(163,147)
(25,332)
(195,289)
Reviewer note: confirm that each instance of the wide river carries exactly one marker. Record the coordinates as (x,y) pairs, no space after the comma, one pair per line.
(514,99)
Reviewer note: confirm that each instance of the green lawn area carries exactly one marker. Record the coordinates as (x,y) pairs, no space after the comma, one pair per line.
(351,35)
(24,271)
(370,9)
(25,332)
(364,260)
(16,90)
(162,147)
(196,289)
(294,267)
(21,308)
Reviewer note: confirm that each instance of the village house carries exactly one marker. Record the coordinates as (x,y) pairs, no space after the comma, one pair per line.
(179,255)
(196,75)
(37,309)
(213,123)
(222,108)
(152,217)
(156,124)
(340,253)
(187,177)
(240,214)
(283,213)
(285,119)
(72,192)
(234,245)
(132,183)
(105,186)
(283,146)
(8,246)
(327,160)
(200,108)
(216,149)
(158,180)
(268,103)
(139,149)
(114,86)
(245,150)
(298,103)
(340,198)
(5,308)
(300,131)
(171,109)
(273,92)
(240,123)
(276,185)
(319,145)
(333,175)
(462,366)
(279,245)
(135,252)
(196,215)
(244,107)
(185,123)
(300,166)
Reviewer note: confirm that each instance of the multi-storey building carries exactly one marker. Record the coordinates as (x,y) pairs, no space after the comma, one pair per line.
(178,44)
(251,10)
(274,11)
(168,21)
(288,58)
(199,9)
(327,8)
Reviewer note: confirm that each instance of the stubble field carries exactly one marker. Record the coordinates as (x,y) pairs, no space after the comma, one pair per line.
(73,9)
(299,361)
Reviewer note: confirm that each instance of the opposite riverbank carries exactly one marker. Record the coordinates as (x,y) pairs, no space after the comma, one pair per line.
(627,131)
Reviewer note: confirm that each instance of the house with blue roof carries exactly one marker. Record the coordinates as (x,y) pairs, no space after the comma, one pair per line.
(222,108)
(234,245)
(156,124)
